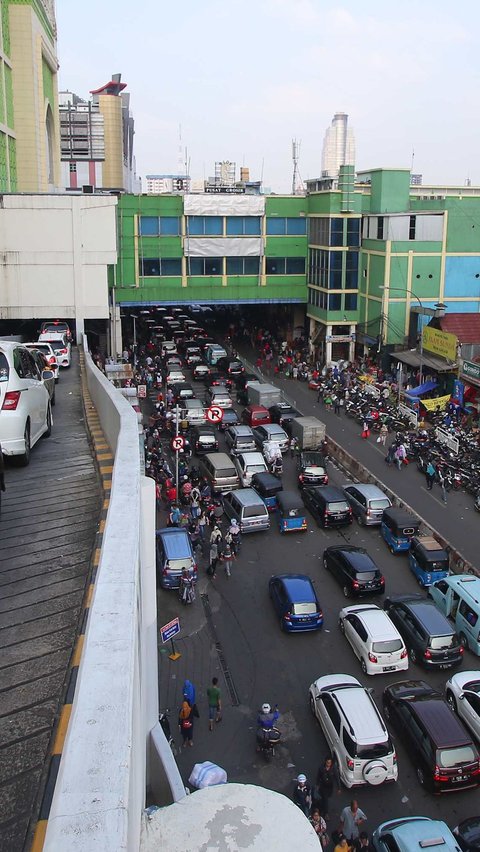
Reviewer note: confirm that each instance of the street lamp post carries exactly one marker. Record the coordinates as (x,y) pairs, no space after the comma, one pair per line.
(134,340)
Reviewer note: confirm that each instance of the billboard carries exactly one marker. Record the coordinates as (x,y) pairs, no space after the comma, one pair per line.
(440,343)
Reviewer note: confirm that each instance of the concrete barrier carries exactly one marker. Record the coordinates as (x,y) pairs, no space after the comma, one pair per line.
(107,759)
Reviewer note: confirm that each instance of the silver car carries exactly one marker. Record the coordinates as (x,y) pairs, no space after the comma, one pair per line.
(271,432)
(367,502)
(247,464)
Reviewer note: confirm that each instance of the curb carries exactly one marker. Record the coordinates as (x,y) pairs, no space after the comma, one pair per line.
(104,461)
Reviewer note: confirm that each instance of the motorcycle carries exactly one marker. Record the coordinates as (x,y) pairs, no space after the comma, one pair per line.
(268,736)
(165,725)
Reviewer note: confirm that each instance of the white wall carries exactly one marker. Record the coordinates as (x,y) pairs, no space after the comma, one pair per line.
(54,251)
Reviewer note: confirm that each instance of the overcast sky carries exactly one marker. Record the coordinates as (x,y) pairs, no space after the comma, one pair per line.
(244,77)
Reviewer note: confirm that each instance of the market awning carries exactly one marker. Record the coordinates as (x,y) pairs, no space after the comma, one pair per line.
(421,389)
(432,362)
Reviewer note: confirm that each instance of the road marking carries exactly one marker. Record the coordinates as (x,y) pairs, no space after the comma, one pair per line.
(440,502)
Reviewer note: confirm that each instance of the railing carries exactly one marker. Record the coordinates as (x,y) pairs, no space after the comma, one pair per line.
(114,745)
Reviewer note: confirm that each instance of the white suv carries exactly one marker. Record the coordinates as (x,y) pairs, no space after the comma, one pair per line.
(374,638)
(25,410)
(60,345)
(354,730)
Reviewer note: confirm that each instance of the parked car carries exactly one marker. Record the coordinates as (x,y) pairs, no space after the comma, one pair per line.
(462,692)
(61,347)
(272,433)
(255,415)
(24,417)
(367,502)
(47,374)
(247,464)
(312,469)
(295,602)
(467,833)
(443,752)
(57,327)
(354,729)
(218,396)
(327,505)
(354,569)
(173,554)
(374,639)
(204,440)
(427,633)
(282,413)
(47,350)
(407,834)
(239,439)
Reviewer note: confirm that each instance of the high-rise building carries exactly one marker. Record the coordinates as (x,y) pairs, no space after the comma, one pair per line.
(338,146)
(29,125)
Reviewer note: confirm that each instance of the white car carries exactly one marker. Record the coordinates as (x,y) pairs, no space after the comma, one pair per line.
(218,395)
(462,692)
(271,432)
(374,638)
(354,729)
(174,377)
(61,347)
(24,417)
(247,465)
(47,350)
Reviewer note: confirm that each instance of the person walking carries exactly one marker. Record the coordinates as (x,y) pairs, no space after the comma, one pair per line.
(302,794)
(293,446)
(320,827)
(391,454)
(442,484)
(351,819)
(328,401)
(382,438)
(327,781)
(187,714)
(336,403)
(212,567)
(400,455)
(228,556)
(214,703)
(365,430)
(430,474)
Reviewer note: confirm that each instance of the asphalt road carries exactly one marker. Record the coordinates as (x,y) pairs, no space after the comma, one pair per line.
(264,664)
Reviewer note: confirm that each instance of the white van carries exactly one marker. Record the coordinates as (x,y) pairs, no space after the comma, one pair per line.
(213,353)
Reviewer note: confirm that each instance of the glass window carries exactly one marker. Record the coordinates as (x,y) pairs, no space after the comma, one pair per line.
(213,265)
(351,270)
(334,301)
(170,266)
(319,230)
(335,275)
(412,227)
(380,223)
(251,265)
(275,265)
(295,265)
(351,301)
(4,370)
(169,226)
(252,226)
(234,265)
(336,232)
(276,227)
(213,225)
(195,266)
(149,226)
(243,225)
(195,225)
(353,232)
(296,226)
(149,266)
(199,226)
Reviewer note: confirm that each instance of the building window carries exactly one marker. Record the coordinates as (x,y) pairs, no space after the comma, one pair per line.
(334,301)
(319,231)
(201,226)
(351,301)
(159,226)
(412,227)
(335,274)
(239,226)
(336,232)
(353,232)
(380,222)
(205,265)
(73,167)
(243,265)
(285,265)
(156,266)
(351,270)
(289,226)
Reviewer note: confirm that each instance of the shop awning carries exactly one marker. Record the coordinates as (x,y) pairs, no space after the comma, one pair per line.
(421,389)
(429,361)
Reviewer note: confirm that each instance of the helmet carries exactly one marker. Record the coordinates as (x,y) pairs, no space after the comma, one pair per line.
(302,779)
(266,708)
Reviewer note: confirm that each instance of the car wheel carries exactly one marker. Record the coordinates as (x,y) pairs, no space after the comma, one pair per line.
(363,666)
(25,457)
(325,563)
(346,591)
(420,776)
(463,640)
(413,655)
(341,626)
(451,701)
(360,520)
(49,422)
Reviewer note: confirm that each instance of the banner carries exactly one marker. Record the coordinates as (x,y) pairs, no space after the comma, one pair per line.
(440,343)
(438,404)
(458,389)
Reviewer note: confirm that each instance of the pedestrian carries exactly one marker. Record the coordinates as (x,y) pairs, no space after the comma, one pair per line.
(430,474)
(351,819)
(228,556)
(216,534)
(328,401)
(175,516)
(195,502)
(328,780)
(320,393)
(214,703)
(365,430)
(391,453)
(341,843)
(187,714)
(336,403)
(363,843)
(400,455)
(320,827)
(293,446)
(212,568)
(442,484)
(382,438)
(302,794)
(341,403)
(202,523)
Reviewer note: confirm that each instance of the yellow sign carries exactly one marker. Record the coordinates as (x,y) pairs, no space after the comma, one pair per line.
(440,343)
(438,404)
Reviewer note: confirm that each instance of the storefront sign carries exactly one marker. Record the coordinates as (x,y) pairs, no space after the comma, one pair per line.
(471,370)
(458,391)
(340,338)
(438,404)
(440,343)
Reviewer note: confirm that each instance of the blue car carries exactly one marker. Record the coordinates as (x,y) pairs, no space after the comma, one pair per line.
(296,603)
(410,833)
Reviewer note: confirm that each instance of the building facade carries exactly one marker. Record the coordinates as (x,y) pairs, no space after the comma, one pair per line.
(338,146)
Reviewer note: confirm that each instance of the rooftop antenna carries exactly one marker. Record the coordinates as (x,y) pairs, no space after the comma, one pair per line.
(180,151)
(297,183)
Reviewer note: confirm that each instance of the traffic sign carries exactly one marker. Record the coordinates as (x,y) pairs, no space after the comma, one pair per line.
(178,443)
(168,631)
(214,414)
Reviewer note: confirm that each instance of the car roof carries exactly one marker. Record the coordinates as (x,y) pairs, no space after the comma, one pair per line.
(367,490)
(9,345)
(401,516)
(445,729)
(248,497)
(468,584)
(299,587)
(242,430)
(358,707)
(252,458)
(375,620)
(410,832)
(432,619)
(290,498)
(330,493)
(257,408)
(175,542)
(357,557)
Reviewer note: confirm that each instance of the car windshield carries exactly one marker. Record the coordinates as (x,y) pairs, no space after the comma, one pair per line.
(370,752)
(366,576)
(304,608)
(437,566)
(438,643)
(317,469)
(450,757)
(225,473)
(57,344)
(244,439)
(379,504)
(180,564)
(255,468)
(388,646)
(341,506)
(3,368)
(254,511)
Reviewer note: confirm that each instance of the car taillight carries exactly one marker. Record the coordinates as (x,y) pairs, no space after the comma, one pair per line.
(461,649)
(355,584)
(394,757)
(372,657)
(427,655)
(301,477)
(10,400)
(437,775)
(325,514)
(285,525)
(63,351)
(350,763)
(287,617)
(325,480)
(403,654)
(382,580)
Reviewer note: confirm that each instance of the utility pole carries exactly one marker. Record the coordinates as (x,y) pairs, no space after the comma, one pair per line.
(177,412)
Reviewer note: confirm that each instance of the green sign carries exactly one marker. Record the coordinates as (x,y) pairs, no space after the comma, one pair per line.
(471,370)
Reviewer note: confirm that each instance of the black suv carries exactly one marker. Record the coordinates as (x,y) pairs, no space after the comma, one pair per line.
(427,633)
(283,413)
(242,382)
(203,440)
(443,752)
(218,377)
(232,366)
(354,569)
(312,469)
(327,505)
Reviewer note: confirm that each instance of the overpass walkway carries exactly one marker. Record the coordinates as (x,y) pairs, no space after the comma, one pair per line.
(48,526)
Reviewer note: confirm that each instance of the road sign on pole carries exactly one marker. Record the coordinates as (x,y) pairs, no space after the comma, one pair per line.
(167,632)
(214,414)
(178,443)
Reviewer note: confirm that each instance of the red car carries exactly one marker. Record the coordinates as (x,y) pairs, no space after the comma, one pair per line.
(255,415)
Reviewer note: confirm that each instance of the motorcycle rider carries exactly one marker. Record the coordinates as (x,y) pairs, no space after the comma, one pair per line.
(266,731)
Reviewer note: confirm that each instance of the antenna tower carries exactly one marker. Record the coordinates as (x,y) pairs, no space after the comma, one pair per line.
(297,183)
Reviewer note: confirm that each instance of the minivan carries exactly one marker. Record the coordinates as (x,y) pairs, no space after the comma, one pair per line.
(220,471)
(246,507)
(327,505)
(458,597)
(427,633)
(213,353)
(239,439)
(174,553)
(367,502)
(444,754)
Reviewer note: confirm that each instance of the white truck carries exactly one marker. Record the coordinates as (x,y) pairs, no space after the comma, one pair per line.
(309,431)
(261,393)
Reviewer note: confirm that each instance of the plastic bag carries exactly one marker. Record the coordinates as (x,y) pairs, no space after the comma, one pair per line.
(379,440)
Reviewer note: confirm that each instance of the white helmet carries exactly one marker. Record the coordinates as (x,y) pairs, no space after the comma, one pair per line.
(266,708)
(302,779)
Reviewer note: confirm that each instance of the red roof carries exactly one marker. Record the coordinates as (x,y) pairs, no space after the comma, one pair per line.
(464,326)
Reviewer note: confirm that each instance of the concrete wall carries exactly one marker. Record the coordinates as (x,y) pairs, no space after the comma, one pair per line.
(100,790)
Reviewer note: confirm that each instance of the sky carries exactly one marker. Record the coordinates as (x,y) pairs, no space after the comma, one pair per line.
(242,78)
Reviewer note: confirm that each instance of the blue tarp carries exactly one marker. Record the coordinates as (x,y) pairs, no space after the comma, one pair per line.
(425,388)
